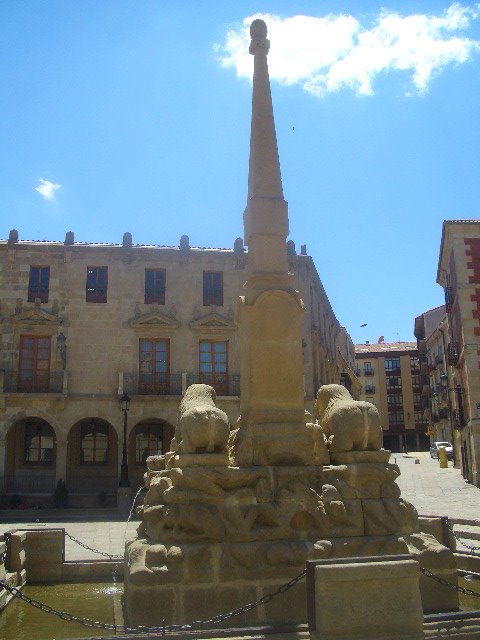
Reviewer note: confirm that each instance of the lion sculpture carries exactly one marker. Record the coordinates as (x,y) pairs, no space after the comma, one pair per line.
(348,424)
(201,426)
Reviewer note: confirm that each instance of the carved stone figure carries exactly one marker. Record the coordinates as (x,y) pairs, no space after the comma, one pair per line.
(348,424)
(201,427)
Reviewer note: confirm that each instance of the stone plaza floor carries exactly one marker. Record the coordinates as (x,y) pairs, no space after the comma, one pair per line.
(433,491)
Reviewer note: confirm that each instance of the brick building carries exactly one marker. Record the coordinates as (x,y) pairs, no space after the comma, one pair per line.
(459,275)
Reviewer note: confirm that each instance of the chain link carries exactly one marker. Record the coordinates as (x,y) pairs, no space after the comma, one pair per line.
(85,546)
(449,585)
(462,542)
(86,622)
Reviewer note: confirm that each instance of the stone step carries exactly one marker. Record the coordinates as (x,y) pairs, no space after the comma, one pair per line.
(468,538)
(467,532)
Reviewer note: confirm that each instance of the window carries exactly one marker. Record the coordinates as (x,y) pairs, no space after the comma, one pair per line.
(416,380)
(213,365)
(94,443)
(97,280)
(394,400)
(148,441)
(392,364)
(396,418)
(394,382)
(212,288)
(38,284)
(39,443)
(414,363)
(34,364)
(419,419)
(154,286)
(417,398)
(367,369)
(154,366)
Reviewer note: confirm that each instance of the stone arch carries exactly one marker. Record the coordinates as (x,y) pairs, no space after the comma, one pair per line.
(143,435)
(92,461)
(13,419)
(30,458)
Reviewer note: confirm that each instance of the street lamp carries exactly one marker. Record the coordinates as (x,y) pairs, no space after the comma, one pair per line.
(124,406)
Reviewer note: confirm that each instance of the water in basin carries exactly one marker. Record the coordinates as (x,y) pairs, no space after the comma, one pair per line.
(21,621)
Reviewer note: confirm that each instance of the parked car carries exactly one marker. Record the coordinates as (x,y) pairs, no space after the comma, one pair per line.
(446,445)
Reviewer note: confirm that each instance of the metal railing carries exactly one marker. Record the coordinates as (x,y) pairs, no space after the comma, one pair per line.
(33,382)
(224,384)
(153,384)
(453,353)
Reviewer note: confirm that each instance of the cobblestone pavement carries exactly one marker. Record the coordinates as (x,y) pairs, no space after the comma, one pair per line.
(433,491)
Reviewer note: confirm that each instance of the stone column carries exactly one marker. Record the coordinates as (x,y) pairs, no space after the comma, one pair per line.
(61,460)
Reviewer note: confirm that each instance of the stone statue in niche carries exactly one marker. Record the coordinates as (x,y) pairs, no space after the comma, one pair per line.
(201,426)
(348,424)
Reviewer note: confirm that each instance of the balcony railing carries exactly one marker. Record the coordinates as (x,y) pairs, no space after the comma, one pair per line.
(369,388)
(448,298)
(224,384)
(453,353)
(33,382)
(458,419)
(368,372)
(153,384)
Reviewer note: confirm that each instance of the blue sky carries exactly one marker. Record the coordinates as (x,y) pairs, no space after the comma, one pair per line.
(134,116)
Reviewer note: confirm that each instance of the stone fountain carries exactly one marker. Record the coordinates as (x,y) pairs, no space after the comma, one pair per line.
(230,515)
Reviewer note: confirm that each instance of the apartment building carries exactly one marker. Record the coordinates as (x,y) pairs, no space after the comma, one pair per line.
(459,275)
(84,324)
(431,331)
(389,374)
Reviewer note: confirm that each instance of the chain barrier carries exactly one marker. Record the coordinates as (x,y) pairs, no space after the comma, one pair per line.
(85,546)
(470,547)
(449,585)
(86,622)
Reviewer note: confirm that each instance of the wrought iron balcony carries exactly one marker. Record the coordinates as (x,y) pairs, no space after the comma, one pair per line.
(33,382)
(153,384)
(369,388)
(224,384)
(453,353)
(368,372)
(458,419)
(448,298)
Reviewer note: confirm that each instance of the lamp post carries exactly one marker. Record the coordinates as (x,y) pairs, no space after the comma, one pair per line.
(124,406)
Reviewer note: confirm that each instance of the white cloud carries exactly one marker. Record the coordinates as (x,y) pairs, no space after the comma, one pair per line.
(47,189)
(332,52)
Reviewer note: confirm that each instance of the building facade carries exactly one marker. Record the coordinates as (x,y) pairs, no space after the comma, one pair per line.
(81,324)
(431,331)
(390,378)
(459,275)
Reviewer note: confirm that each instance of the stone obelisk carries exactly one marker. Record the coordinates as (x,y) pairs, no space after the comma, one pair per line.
(272,422)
